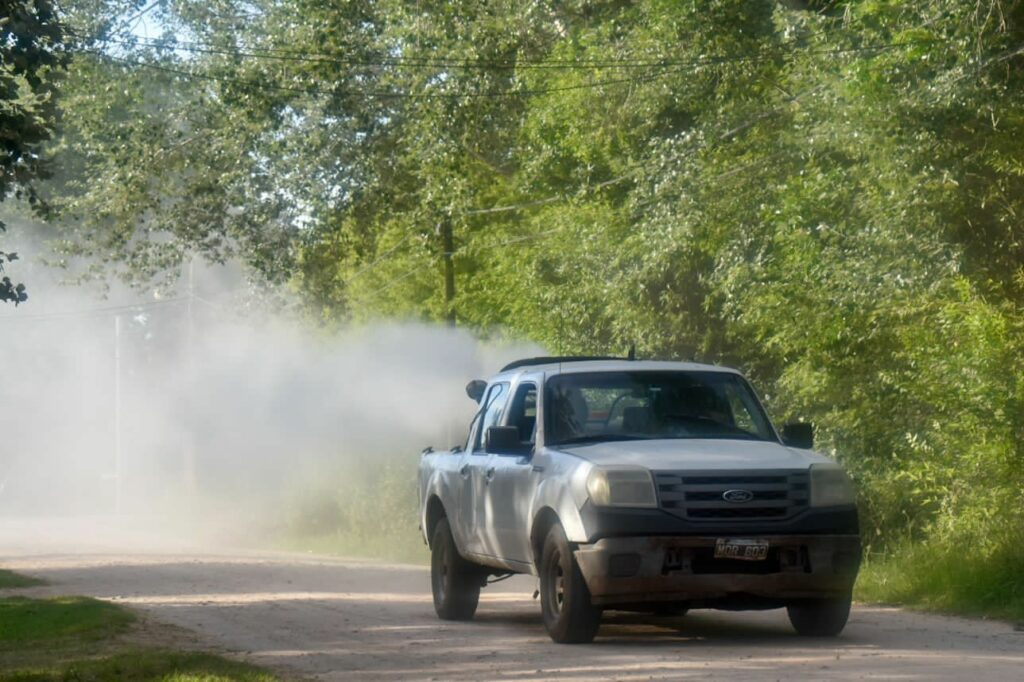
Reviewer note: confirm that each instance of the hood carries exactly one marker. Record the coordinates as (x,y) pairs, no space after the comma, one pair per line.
(697,454)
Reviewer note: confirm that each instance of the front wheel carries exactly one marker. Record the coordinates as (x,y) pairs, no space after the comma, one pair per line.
(454,581)
(569,615)
(820,617)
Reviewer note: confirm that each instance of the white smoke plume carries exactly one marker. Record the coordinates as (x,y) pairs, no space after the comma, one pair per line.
(181,406)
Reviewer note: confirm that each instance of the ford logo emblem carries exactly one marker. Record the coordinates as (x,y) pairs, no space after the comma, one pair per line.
(737,496)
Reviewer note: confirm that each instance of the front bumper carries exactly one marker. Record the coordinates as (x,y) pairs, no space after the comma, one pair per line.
(635,570)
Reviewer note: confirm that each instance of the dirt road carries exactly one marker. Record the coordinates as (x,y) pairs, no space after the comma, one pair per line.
(321,618)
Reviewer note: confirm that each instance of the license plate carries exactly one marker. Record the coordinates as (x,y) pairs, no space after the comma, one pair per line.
(735,548)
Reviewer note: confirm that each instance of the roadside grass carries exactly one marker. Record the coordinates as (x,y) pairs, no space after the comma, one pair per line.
(141,665)
(960,581)
(87,640)
(28,622)
(10,579)
(405,548)
(367,511)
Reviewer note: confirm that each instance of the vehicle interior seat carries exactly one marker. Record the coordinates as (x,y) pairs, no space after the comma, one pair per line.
(527,426)
(570,413)
(636,419)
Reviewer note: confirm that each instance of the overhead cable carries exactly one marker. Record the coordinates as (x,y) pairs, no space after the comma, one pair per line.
(373,94)
(517,63)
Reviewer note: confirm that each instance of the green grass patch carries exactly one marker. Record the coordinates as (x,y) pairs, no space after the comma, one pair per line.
(77,639)
(963,580)
(367,508)
(10,579)
(144,665)
(407,548)
(37,622)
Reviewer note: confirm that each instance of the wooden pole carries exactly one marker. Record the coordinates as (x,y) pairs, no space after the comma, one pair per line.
(448,243)
(118,469)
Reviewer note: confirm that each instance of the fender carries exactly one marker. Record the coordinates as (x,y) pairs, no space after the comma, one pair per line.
(564,491)
(435,481)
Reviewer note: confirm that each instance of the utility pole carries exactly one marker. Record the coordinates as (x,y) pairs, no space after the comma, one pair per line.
(118,473)
(448,243)
(188,449)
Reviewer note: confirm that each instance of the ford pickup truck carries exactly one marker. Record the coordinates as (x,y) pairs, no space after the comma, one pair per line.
(637,485)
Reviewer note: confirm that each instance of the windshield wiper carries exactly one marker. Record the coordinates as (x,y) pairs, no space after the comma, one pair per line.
(742,435)
(599,438)
(728,430)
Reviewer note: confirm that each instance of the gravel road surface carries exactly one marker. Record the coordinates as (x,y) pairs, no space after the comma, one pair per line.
(314,617)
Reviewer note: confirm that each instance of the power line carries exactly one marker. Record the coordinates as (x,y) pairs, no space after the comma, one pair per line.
(142,12)
(333,58)
(369,267)
(398,279)
(664,66)
(732,132)
(506,242)
(552,199)
(140,16)
(114,309)
(515,207)
(632,171)
(261,85)
(92,312)
(378,260)
(101,34)
(487,64)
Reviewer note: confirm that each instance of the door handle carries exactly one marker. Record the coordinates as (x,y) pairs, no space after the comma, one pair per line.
(464,471)
(490,474)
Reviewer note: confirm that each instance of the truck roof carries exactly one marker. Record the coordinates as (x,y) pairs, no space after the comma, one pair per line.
(576,365)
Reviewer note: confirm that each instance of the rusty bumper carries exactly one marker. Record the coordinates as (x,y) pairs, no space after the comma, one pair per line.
(647,569)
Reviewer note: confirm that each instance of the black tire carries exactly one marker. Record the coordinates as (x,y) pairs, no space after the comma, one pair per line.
(454,581)
(820,617)
(569,615)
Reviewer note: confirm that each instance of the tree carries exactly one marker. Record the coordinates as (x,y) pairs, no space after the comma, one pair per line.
(699,180)
(827,194)
(32,54)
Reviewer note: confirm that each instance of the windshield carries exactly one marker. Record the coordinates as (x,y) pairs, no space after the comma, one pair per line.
(604,406)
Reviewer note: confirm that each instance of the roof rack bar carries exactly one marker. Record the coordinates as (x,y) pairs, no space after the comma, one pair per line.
(550,360)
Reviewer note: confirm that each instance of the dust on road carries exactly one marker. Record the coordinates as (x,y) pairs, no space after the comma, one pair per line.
(322,618)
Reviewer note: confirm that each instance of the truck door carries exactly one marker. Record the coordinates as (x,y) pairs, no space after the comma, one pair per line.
(512,483)
(473,475)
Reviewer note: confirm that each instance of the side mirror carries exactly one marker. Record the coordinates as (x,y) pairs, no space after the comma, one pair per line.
(503,440)
(475,389)
(799,435)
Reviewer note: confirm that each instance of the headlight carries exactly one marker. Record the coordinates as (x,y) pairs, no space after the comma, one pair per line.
(621,487)
(830,486)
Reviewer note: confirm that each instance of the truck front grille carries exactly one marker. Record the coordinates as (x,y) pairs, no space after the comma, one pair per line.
(701,496)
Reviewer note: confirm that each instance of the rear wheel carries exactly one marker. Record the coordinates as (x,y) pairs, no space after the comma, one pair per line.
(569,615)
(820,617)
(454,581)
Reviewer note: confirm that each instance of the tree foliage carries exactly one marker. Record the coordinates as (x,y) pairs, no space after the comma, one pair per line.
(31,57)
(827,194)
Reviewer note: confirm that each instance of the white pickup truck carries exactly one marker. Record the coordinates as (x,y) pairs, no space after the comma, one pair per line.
(637,485)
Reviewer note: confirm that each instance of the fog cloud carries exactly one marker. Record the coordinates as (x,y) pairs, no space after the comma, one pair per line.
(177,405)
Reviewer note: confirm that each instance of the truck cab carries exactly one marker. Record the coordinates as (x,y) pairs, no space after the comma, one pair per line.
(637,485)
